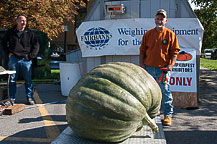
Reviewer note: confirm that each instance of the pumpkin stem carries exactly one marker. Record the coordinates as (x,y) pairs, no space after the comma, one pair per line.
(150,122)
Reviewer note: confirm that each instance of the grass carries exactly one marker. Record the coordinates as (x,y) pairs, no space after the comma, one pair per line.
(54,78)
(54,75)
(208,63)
(41,73)
(55,71)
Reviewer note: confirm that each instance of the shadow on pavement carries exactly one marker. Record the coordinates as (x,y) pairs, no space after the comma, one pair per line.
(36,124)
(197,126)
(191,137)
(31,136)
(59,118)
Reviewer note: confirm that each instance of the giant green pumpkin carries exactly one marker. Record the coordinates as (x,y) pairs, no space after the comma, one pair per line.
(113,101)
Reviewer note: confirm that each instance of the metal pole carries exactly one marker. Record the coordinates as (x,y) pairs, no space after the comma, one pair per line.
(65,39)
(65,35)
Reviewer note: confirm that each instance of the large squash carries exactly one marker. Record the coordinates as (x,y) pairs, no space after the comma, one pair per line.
(113,101)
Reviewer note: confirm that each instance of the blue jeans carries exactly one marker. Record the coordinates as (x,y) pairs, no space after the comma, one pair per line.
(26,67)
(167,98)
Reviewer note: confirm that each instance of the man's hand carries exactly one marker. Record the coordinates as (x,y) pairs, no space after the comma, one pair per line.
(10,54)
(170,67)
(27,57)
(141,60)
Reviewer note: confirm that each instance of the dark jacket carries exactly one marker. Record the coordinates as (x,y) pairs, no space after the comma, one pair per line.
(22,46)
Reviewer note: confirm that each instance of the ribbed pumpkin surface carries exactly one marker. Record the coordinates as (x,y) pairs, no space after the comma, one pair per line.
(112,101)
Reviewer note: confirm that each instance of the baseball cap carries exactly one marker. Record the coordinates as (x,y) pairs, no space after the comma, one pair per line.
(162,11)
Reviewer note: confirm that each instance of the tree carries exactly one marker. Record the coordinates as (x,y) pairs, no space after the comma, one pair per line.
(44,15)
(207,14)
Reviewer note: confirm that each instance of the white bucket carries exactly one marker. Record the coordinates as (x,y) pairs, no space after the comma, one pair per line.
(70,73)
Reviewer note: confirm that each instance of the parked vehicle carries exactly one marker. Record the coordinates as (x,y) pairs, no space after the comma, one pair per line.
(207,53)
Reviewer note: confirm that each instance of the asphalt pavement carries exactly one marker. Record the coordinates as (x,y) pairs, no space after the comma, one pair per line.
(43,122)
(37,124)
(197,126)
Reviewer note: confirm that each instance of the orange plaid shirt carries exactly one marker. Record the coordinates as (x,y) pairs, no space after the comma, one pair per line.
(159,47)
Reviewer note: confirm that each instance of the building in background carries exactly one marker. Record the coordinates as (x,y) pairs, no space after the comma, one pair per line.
(68,38)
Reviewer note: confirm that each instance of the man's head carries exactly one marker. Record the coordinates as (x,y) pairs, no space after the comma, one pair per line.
(161,18)
(162,12)
(21,22)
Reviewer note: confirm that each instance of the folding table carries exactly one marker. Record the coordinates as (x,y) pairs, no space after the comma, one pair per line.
(2,98)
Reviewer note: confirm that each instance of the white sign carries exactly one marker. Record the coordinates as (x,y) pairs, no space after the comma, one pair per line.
(124,36)
(183,75)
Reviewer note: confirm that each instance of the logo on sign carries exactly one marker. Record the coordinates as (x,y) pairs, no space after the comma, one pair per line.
(184,56)
(96,38)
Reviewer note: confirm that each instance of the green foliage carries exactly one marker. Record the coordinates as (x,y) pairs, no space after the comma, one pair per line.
(40,73)
(43,40)
(207,63)
(207,14)
(44,15)
(42,70)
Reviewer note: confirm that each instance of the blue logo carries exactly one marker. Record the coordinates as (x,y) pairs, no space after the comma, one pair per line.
(96,38)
